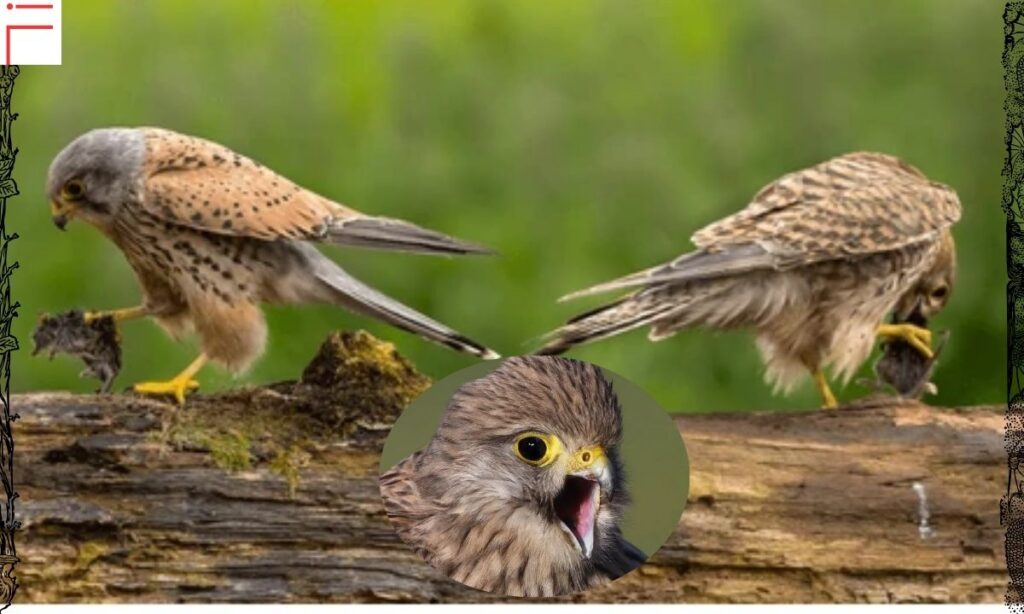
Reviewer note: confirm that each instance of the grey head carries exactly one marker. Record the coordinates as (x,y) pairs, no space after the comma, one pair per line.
(95,175)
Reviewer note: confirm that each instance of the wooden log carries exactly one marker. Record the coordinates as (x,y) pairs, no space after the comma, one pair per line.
(270,495)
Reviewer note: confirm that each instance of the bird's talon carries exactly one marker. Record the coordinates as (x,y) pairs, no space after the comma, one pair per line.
(177,387)
(916,336)
(922,347)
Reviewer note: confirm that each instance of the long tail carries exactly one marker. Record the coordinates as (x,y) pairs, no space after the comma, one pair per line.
(700,288)
(721,303)
(625,314)
(398,235)
(692,266)
(353,294)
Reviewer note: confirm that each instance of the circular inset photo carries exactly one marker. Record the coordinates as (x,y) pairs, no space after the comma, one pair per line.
(534,476)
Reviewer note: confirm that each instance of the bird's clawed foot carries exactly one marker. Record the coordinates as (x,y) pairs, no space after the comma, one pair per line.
(828,399)
(917,337)
(179,387)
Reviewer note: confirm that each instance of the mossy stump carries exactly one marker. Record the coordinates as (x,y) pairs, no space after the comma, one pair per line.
(358,380)
(349,395)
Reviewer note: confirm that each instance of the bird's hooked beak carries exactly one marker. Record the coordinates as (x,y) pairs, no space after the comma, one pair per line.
(61,213)
(588,475)
(911,313)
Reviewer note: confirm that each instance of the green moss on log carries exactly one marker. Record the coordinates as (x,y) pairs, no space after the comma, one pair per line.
(351,392)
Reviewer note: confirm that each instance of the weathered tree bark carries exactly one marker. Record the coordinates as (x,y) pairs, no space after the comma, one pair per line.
(125,499)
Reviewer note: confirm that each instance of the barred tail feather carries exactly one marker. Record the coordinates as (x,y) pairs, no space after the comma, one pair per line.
(623,315)
(723,303)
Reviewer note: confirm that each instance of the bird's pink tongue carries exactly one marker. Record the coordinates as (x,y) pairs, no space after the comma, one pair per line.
(576,506)
(585,519)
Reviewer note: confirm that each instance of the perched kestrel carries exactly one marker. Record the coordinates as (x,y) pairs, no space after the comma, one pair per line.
(813,264)
(521,490)
(212,234)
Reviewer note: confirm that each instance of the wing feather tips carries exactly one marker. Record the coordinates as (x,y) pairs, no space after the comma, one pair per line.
(632,280)
(399,235)
(696,265)
(623,315)
(466,345)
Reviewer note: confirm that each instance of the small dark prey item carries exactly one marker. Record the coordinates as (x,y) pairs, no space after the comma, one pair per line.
(96,343)
(905,369)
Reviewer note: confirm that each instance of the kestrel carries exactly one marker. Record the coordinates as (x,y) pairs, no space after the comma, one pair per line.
(211,234)
(521,490)
(813,264)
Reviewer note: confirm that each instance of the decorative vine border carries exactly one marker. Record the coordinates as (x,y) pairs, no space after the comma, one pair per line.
(1012,503)
(8,311)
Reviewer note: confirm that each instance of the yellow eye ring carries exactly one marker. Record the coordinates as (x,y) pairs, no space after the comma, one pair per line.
(73,190)
(537,449)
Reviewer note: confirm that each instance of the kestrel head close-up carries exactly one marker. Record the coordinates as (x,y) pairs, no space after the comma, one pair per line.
(813,265)
(521,490)
(211,235)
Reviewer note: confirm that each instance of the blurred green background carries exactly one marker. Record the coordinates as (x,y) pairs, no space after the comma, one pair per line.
(654,457)
(584,139)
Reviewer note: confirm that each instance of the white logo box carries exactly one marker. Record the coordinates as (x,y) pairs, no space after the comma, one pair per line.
(32,31)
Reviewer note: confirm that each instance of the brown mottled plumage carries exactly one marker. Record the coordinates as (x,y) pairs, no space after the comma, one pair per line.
(212,234)
(812,264)
(483,516)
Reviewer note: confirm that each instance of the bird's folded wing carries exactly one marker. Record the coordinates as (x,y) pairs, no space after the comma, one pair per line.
(202,185)
(810,217)
(853,204)
(862,220)
(694,265)
(399,235)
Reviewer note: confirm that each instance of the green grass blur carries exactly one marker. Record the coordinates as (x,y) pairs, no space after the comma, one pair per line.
(583,139)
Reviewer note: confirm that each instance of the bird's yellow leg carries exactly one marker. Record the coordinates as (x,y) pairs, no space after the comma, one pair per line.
(179,386)
(919,338)
(119,315)
(828,399)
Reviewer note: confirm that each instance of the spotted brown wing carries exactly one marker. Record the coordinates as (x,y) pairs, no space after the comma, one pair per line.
(200,184)
(853,205)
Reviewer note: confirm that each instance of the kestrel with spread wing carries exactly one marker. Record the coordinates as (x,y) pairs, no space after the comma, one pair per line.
(813,264)
(521,490)
(211,234)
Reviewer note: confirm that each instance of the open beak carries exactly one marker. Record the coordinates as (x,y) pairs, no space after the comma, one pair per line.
(61,213)
(576,506)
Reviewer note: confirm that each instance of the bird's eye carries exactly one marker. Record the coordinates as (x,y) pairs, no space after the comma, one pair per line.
(532,449)
(940,292)
(73,190)
(536,449)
